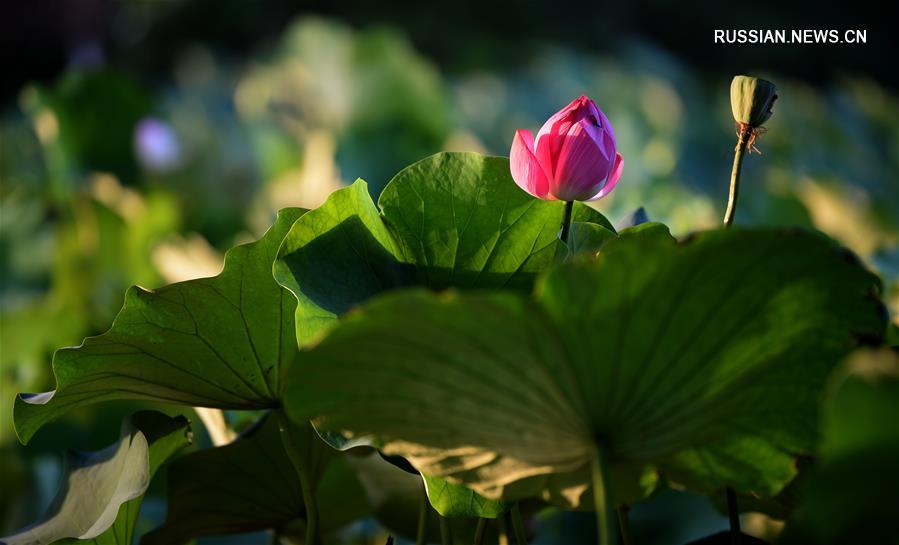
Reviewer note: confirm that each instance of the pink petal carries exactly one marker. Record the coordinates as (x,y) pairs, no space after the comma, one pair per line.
(614,176)
(583,164)
(548,145)
(544,154)
(603,142)
(603,122)
(558,116)
(527,172)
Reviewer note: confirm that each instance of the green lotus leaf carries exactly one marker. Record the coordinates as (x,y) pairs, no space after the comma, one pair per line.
(450,220)
(339,255)
(250,485)
(456,500)
(214,342)
(780,506)
(397,498)
(588,237)
(850,496)
(649,230)
(448,499)
(862,400)
(102,491)
(463,222)
(704,359)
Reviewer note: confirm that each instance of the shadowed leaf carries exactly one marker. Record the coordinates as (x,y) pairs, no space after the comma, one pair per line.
(851,492)
(251,485)
(704,359)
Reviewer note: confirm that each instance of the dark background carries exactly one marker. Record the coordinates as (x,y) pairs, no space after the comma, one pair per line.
(37,36)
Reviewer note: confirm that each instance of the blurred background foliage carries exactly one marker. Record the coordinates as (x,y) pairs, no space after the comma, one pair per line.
(144,166)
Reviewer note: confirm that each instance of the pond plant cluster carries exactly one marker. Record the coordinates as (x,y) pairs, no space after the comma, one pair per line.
(479,345)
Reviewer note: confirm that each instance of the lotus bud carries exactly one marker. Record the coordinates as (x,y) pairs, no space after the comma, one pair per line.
(573,158)
(751,100)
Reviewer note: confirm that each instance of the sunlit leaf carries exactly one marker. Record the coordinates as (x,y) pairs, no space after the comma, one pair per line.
(101,491)
(456,500)
(217,342)
(704,359)
(450,220)
(463,222)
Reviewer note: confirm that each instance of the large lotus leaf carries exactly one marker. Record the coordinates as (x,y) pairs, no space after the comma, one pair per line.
(450,220)
(101,491)
(212,342)
(851,492)
(251,485)
(664,354)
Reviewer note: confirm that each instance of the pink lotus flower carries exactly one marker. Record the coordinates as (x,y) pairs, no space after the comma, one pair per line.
(573,158)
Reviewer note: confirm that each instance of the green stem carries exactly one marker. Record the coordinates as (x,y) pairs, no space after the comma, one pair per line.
(521,536)
(423,509)
(739,153)
(293,452)
(624,525)
(446,535)
(602,500)
(566,221)
(480,532)
(733,514)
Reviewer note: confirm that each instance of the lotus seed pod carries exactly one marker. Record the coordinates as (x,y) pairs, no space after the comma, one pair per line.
(751,100)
